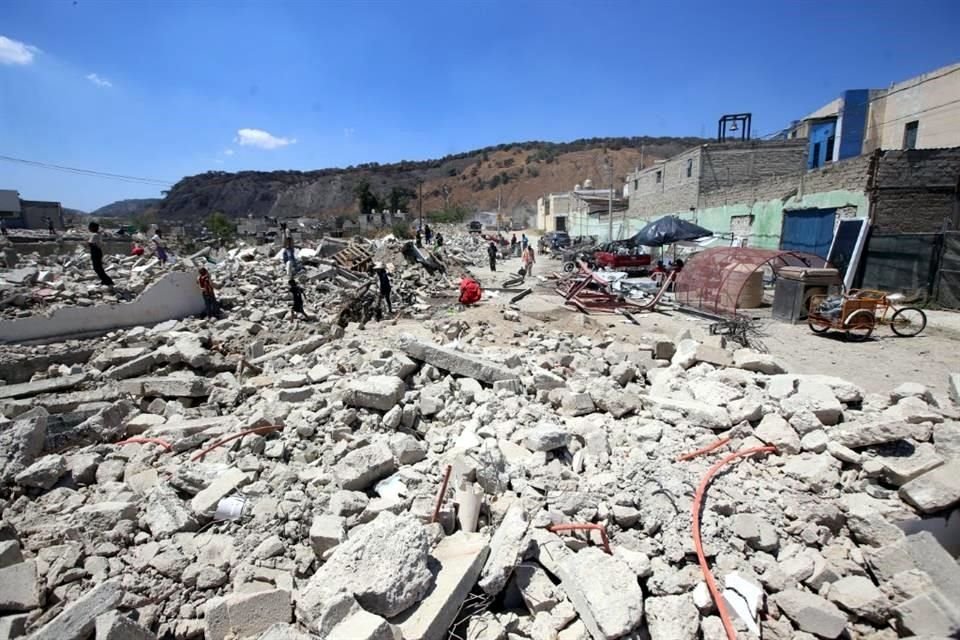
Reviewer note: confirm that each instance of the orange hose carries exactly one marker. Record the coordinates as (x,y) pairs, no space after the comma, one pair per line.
(162,443)
(218,443)
(698,545)
(707,449)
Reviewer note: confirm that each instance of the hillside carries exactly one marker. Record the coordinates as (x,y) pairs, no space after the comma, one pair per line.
(126,208)
(519,173)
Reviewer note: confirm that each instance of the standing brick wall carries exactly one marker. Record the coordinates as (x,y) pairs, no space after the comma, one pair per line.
(917,191)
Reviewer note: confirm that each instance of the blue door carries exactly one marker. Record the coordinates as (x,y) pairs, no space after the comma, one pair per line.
(809,230)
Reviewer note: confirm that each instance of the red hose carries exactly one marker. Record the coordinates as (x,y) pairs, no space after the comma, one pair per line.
(218,443)
(707,449)
(442,495)
(698,545)
(162,443)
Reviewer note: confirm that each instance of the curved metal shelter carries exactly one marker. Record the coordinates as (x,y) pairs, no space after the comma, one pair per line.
(715,279)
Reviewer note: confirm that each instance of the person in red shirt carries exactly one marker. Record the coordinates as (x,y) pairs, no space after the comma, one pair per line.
(137,250)
(659,272)
(209,296)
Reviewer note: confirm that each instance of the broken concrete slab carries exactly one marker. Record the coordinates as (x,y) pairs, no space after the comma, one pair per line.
(506,547)
(457,362)
(384,565)
(811,613)
(362,467)
(375,392)
(604,591)
(180,385)
(857,435)
(43,473)
(816,398)
(166,514)
(19,589)
(760,362)
(205,503)
(326,532)
(774,430)
(906,462)
(303,346)
(174,295)
(245,614)
(456,564)
(928,615)
(859,596)
(116,626)
(535,587)
(79,619)
(934,490)
(672,618)
(44,385)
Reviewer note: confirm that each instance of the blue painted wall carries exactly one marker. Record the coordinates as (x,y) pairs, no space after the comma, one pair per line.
(854,113)
(820,134)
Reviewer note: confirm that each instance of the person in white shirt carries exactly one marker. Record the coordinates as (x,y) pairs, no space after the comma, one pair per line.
(158,247)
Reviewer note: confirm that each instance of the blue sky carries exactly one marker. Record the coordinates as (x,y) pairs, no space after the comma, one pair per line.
(168,89)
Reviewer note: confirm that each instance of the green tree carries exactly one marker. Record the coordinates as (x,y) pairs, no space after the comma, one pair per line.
(400,197)
(367,200)
(221,226)
(143,221)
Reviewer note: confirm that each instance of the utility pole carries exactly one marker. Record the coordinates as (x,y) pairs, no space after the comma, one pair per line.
(610,201)
(499,199)
(420,202)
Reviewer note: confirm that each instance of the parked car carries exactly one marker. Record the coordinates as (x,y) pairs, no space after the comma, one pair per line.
(555,240)
(475,227)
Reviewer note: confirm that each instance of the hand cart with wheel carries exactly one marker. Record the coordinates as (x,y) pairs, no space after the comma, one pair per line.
(855,317)
(906,321)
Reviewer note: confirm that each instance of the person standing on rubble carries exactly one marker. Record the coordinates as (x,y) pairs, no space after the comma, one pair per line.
(209,296)
(419,239)
(427,234)
(158,247)
(528,259)
(492,254)
(524,243)
(297,292)
(50,226)
(290,257)
(439,239)
(383,280)
(513,244)
(96,254)
(3,226)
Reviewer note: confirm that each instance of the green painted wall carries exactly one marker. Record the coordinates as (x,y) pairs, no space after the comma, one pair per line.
(767,215)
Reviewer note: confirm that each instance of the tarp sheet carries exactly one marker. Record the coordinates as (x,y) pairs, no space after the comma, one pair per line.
(668,230)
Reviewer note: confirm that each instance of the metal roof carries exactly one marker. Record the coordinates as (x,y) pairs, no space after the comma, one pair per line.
(9,201)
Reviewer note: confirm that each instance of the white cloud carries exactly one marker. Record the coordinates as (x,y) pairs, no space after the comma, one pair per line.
(100,82)
(228,152)
(262,139)
(16,52)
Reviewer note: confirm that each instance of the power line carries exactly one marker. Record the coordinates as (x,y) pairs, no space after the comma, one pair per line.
(89,172)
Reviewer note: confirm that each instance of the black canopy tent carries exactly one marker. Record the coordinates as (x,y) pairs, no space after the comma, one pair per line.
(668,230)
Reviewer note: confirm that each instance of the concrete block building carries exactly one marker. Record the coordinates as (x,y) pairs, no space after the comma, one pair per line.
(18,213)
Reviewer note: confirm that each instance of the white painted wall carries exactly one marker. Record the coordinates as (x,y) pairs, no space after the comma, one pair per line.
(174,296)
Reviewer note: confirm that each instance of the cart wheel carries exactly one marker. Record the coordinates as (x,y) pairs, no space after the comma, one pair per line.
(908,322)
(816,326)
(859,325)
(569,267)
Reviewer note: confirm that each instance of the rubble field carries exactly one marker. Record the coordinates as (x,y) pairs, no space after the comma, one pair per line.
(478,475)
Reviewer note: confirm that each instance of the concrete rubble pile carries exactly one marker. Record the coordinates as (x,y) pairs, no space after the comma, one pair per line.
(237,479)
(42,283)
